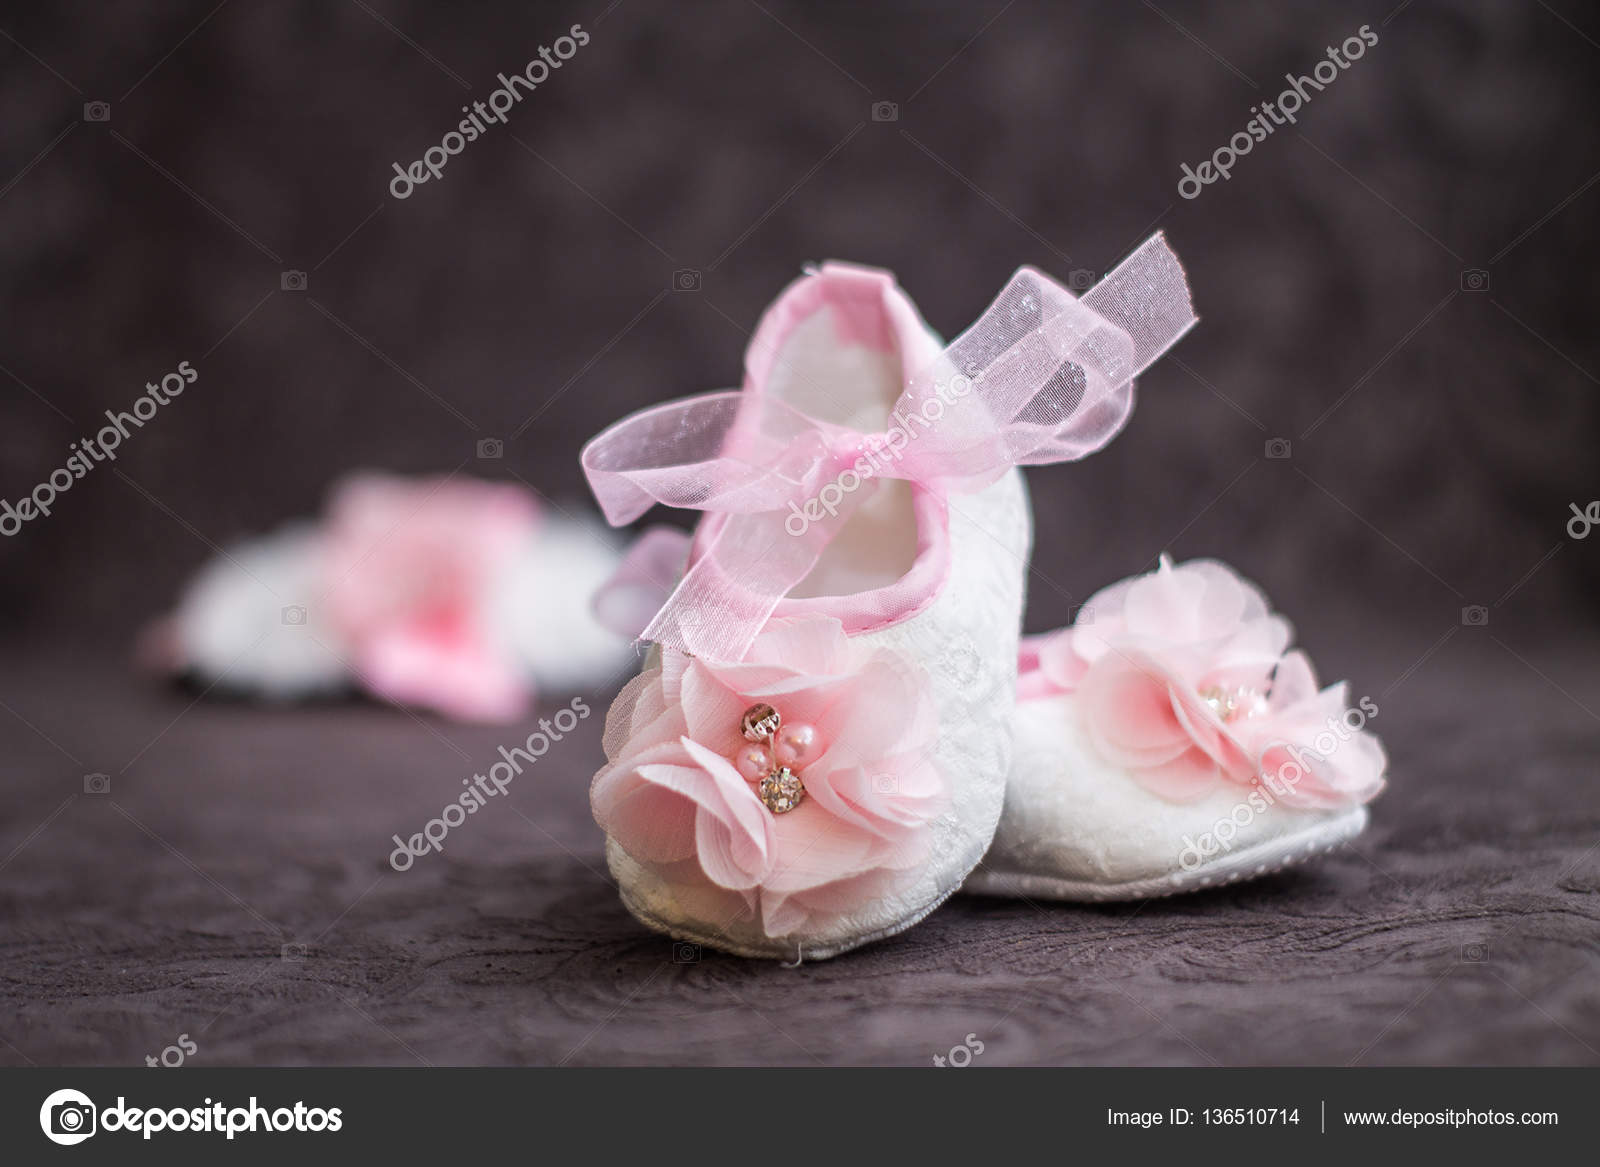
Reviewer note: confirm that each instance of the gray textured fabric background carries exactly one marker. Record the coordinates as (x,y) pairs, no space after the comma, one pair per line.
(1439,425)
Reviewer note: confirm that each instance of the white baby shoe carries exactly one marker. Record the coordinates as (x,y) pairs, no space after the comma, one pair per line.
(1167,741)
(815,755)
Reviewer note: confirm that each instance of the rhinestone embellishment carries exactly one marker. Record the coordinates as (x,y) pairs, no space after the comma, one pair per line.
(782,790)
(759,723)
(1233,704)
(780,787)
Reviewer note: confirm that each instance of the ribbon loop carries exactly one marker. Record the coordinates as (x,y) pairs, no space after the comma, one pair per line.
(1042,376)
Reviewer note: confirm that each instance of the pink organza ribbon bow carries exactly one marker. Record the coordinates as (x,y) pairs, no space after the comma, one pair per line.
(1042,376)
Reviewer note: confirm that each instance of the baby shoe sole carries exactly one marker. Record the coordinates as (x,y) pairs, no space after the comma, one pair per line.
(1264,858)
(618,860)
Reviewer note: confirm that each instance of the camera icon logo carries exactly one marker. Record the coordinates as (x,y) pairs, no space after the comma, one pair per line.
(1278,449)
(67,1117)
(1474,279)
(294,952)
(686,279)
(295,615)
(97,111)
(293,281)
(885,111)
(1080,279)
(97,783)
(884,784)
(1475,616)
(1474,953)
(685,953)
(491,448)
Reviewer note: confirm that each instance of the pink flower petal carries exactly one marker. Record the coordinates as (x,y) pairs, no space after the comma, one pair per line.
(658,824)
(454,676)
(729,858)
(811,848)
(735,803)
(410,565)
(1166,605)
(1187,778)
(1129,715)
(1060,661)
(810,645)
(883,714)
(711,711)
(1294,682)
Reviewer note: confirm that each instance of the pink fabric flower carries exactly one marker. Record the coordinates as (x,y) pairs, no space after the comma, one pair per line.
(1183,678)
(674,800)
(410,564)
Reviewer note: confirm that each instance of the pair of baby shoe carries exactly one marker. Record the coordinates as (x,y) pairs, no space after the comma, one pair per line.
(837,725)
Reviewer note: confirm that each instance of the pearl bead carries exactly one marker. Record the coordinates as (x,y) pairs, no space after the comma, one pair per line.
(797,745)
(1234,704)
(753,761)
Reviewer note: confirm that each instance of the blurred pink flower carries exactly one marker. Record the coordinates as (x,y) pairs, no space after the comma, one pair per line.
(410,564)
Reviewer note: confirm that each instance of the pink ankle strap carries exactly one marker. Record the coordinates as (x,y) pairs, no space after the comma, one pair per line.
(1042,376)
